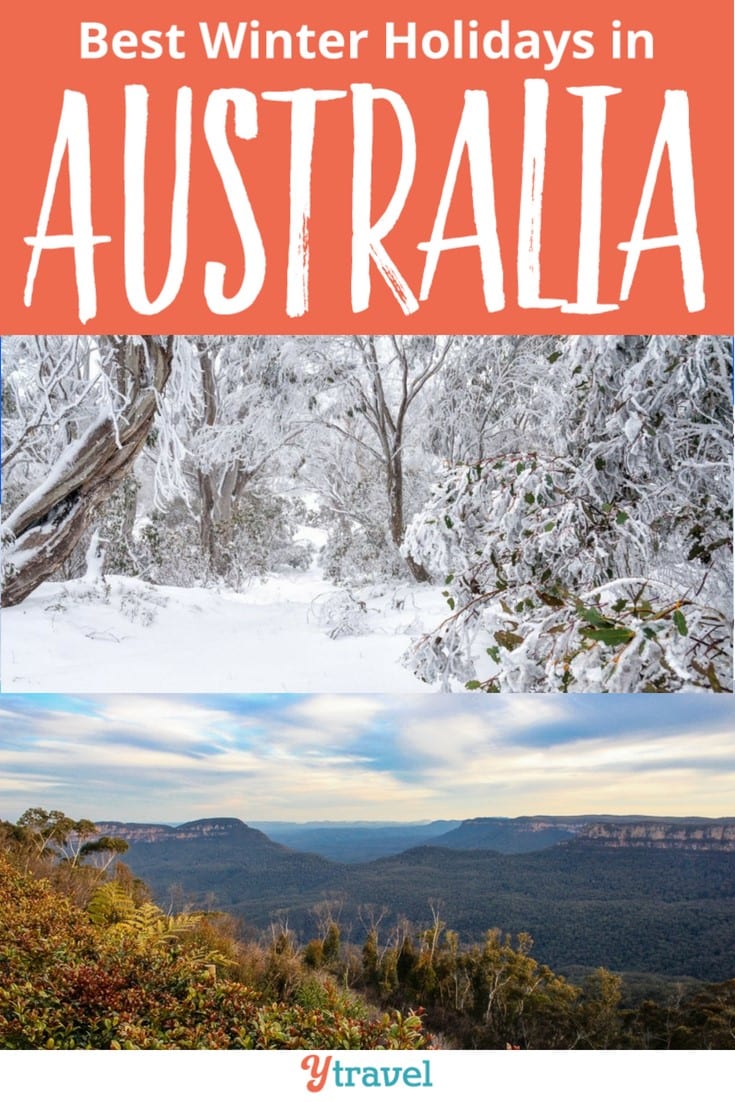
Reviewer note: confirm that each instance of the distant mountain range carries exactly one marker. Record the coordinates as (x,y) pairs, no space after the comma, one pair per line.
(361,841)
(632,893)
(213,860)
(528,833)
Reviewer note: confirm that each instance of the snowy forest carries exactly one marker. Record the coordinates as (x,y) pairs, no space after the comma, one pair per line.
(359,513)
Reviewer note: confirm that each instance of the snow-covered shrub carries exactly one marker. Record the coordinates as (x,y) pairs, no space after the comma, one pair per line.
(115,525)
(258,537)
(359,555)
(340,614)
(631,635)
(140,603)
(607,564)
(81,591)
(168,549)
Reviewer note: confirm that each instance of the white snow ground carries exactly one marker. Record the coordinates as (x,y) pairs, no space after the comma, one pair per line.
(123,635)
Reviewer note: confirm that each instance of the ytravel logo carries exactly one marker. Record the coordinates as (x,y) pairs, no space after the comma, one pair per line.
(322,1070)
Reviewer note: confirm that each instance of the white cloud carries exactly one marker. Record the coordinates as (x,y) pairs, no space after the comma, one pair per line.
(174,716)
(325,717)
(173,758)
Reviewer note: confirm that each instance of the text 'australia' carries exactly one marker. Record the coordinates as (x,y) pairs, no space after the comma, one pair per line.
(231,116)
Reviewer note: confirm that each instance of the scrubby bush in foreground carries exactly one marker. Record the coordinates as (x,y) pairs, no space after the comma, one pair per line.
(68,982)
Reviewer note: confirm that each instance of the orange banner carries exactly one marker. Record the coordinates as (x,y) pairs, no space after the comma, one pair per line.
(410,167)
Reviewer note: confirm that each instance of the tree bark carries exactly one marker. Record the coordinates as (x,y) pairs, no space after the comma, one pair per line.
(394,487)
(207,493)
(43,530)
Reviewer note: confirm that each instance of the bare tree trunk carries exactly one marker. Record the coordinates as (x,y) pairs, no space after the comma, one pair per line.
(207,493)
(43,530)
(206,519)
(388,423)
(394,486)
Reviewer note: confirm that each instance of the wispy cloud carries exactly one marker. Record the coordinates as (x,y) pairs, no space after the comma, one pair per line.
(169,758)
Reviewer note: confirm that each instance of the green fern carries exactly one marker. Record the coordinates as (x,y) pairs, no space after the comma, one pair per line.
(150,925)
(110,905)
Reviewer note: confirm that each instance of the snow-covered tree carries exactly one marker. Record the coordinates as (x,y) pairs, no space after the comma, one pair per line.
(370,390)
(603,560)
(490,392)
(79,411)
(234,444)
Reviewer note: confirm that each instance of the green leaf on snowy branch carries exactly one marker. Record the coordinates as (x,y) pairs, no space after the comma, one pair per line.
(612,636)
(680,622)
(592,616)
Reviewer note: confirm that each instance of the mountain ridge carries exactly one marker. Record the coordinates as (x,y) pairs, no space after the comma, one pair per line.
(524,833)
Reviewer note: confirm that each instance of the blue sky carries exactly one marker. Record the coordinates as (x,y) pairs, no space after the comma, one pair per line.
(171,758)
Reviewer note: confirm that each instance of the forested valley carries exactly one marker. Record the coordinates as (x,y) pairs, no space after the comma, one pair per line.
(87,960)
(453,513)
